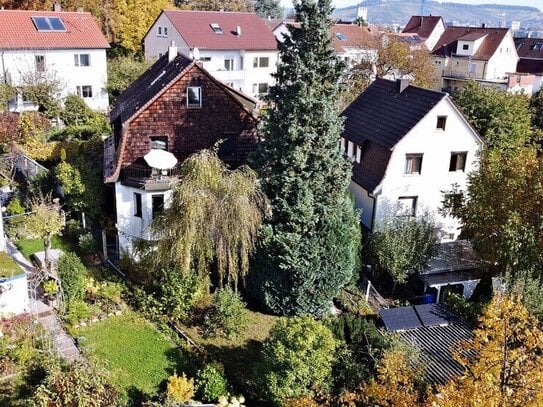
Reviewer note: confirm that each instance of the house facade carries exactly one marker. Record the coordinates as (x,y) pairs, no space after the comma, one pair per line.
(428,29)
(178,107)
(236,48)
(67,48)
(412,151)
(530,52)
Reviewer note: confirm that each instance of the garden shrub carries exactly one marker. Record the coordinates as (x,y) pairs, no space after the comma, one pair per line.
(72,275)
(211,384)
(87,243)
(15,206)
(178,293)
(228,315)
(179,388)
(73,229)
(110,295)
(77,311)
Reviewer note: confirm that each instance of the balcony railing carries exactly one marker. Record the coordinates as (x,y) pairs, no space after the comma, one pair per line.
(143,176)
(460,75)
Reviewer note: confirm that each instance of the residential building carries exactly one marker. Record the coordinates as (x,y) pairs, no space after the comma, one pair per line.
(412,151)
(486,55)
(65,47)
(176,108)
(428,29)
(530,52)
(236,48)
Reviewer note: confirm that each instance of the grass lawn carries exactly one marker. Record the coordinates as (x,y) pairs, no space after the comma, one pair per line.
(8,267)
(137,355)
(30,246)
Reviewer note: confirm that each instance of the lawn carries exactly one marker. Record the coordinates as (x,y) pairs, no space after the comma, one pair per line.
(30,246)
(8,267)
(139,358)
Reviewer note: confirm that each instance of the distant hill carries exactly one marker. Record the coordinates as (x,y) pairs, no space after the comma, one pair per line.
(399,11)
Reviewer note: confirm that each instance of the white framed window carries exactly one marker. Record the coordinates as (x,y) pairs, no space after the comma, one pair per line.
(84,91)
(358,154)
(350,149)
(260,88)
(229,64)
(216,28)
(441,122)
(162,31)
(261,62)
(137,205)
(40,63)
(458,161)
(194,96)
(159,31)
(165,31)
(407,206)
(157,202)
(413,164)
(81,59)
(465,47)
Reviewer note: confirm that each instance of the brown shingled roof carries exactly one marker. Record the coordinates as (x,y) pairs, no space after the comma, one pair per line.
(421,25)
(529,47)
(446,46)
(195,28)
(17,31)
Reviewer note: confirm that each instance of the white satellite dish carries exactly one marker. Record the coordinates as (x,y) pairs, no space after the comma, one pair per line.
(160,159)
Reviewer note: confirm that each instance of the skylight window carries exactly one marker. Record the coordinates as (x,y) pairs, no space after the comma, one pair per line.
(48,24)
(538,46)
(341,37)
(216,28)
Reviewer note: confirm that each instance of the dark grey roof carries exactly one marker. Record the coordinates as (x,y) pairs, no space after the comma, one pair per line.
(143,89)
(379,118)
(453,277)
(454,256)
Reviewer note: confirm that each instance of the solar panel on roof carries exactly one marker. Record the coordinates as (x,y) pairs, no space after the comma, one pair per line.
(48,24)
(434,314)
(400,319)
(341,36)
(57,24)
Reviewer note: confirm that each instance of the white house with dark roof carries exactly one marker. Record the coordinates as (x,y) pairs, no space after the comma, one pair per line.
(411,147)
(67,47)
(236,48)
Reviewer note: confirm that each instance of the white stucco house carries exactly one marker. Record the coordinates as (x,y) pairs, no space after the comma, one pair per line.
(67,47)
(428,29)
(411,148)
(236,48)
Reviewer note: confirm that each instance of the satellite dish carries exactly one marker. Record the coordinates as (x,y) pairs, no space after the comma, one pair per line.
(160,159)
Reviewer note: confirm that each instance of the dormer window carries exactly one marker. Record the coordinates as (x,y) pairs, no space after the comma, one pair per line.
(216,28)
(538,46)
(194,96)
(465,47)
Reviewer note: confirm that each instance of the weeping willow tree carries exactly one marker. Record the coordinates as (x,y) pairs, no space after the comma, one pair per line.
(213,217)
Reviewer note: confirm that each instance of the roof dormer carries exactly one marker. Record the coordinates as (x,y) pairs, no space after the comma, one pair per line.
(469,44)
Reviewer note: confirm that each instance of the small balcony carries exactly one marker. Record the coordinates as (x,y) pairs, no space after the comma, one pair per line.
(460,75)
(142,176)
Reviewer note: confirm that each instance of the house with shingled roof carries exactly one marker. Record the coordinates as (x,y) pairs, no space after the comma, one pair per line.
(427,28)
(236,48)
(172,110)
(530,52)
(486,55)
(67,47)
(412,151)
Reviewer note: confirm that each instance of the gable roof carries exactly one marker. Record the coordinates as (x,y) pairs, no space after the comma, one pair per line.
(378,119)
(447,43)
(423,26)
(17,31)
(529,48)
(352,36)
(195,28)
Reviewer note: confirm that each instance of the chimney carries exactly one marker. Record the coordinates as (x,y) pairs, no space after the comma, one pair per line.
(57,7)
(238,30)
(403,83)
(172,51)
(483,25)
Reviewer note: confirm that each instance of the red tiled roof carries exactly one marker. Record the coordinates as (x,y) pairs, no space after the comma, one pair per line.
(446,45)
(355,36)
(195,28)
(17,31)
(421,25)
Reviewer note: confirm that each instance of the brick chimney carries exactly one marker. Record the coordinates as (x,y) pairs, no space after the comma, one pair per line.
(57,7)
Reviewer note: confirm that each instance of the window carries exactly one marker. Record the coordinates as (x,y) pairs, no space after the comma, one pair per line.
(137,204)
(84,91)
(165,30)
(40,63)
(260,88)
(229,64)
(413,163)
(451,201)
(228,146)
(205,59)
(537,46)
(441,122)
(216,28)
(82,60)
(194,96)
(341,37)
(261,62)
(158,204)
(350,149)
(458,161)
(358,154)
(465,47)
(159,143)
(408,205)
(160,31)
(48,24)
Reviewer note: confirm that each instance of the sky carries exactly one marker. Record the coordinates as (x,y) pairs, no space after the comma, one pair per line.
(533,3)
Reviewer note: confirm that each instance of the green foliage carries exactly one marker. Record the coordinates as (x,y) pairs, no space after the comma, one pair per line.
(403,246)
(470,311)
(502,118)
(82,384)
(269,8)
(8,267)
(179,388)
(76,112)
(211,384)
(87,243)
(50,287)
(43,89)
(178,293)
(72,275)
(528,285)
(78,310)
(121,72)
(228,315)
(297,358)
(15,206)
(7,92)
(536,106)
(309,248)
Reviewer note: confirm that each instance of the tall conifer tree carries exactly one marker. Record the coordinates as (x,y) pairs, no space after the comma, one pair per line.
(310,247)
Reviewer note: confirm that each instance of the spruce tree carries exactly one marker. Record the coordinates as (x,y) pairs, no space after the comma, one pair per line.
(269,8)
(309,248)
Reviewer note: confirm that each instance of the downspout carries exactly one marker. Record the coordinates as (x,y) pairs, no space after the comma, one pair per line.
(373,211)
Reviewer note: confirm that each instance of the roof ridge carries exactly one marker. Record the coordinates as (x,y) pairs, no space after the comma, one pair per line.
(209,11)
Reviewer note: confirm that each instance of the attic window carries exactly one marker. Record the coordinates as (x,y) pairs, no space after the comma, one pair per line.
(194,96)
(48,24)
(538,46)
(341,37)
(216,28)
